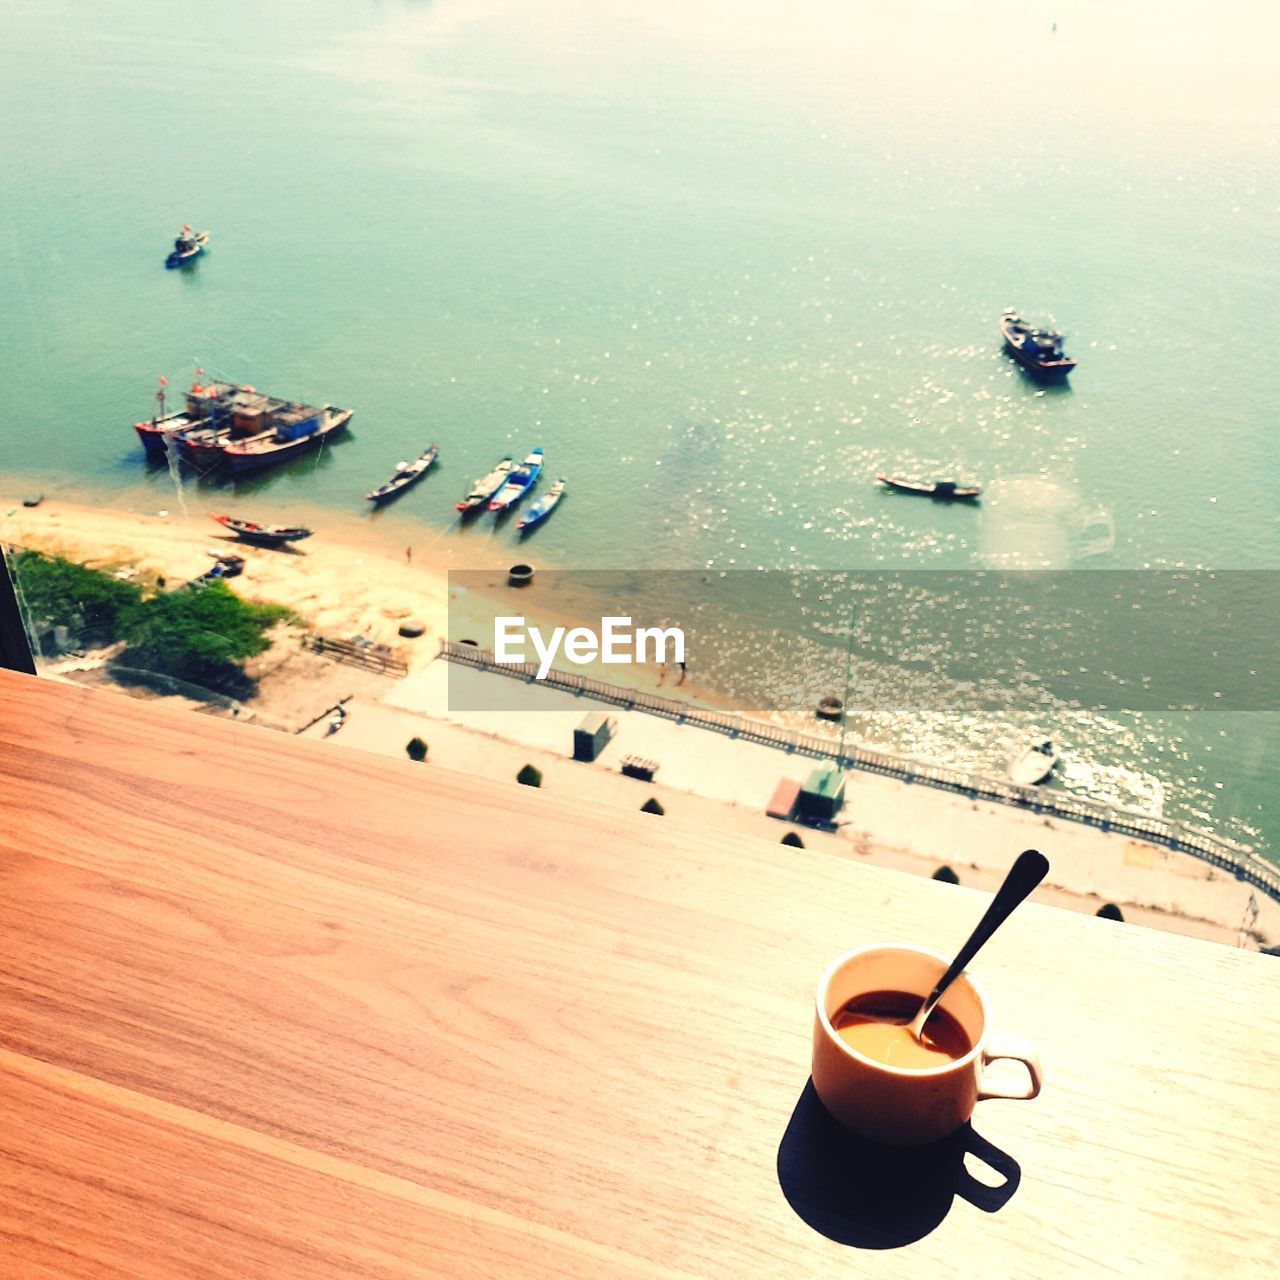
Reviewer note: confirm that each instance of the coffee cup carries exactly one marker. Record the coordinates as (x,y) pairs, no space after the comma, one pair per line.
(907,1106)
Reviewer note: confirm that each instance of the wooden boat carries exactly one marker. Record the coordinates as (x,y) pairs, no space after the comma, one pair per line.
(206,422)
(1034,765)
(486,487)
(519,482)
(165,428)
(268,535)
(406,474)
(294,431)
(232,414)
(156,433)
(541,509)
(1038,350)
(945,490)
(189,244)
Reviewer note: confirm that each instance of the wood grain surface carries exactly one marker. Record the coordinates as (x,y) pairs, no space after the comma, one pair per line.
(273,1008)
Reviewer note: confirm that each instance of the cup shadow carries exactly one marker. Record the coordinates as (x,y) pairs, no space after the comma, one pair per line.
(870,1196)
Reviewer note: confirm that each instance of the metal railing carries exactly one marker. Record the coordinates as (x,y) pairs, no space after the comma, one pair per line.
(1227,855)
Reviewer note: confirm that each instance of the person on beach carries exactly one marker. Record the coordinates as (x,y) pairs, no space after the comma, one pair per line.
(408,555)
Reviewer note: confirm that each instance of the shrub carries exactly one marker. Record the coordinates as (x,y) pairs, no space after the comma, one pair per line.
(652,806)
(792,840)
(1109,911)
(61,593)
(417,749)
(529,776)
(946,875)
(201,635)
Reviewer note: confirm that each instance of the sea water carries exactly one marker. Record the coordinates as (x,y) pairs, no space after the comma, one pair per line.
(723,262)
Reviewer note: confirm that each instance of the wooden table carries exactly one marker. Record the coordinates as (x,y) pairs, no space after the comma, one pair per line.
(272,1008)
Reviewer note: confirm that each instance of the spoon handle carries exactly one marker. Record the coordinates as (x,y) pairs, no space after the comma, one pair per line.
(1027,872)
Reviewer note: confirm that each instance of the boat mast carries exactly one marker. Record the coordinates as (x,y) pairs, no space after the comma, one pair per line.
(164,382)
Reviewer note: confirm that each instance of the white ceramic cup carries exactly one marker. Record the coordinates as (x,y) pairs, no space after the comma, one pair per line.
(899,1105)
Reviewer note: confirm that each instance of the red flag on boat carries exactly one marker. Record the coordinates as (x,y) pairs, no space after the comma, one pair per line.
(164,382)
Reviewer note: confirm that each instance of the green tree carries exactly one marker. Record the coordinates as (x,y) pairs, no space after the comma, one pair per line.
(946,875)
(200,635)
(417,749)
(529,776)
(59,592)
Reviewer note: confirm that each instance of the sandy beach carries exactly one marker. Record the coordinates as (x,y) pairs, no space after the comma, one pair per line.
(343,583)
(339,588)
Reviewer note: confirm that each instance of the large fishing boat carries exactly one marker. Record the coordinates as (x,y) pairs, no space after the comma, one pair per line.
(199,414)
(519,482)
(1038,350)
(236,426)
(295,429)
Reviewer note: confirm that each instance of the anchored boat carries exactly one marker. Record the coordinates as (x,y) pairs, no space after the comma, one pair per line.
(486,487)
(541,509)
(189,244)
(1038,350)
(944,490)
(519,482)
(201,410)
(224,424)
(1035,765)
(294,431)
(405,475)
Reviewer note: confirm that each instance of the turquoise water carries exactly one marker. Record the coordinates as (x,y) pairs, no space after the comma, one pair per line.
(724,262)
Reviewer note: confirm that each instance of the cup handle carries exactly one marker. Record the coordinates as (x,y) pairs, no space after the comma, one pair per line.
(1019,1051)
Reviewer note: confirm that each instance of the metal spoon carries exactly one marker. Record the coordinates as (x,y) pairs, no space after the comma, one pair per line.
(1024,875)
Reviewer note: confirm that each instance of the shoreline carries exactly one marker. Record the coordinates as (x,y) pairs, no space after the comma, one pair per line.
(345,582)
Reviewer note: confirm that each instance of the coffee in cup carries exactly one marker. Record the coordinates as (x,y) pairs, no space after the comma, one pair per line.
(870,1072)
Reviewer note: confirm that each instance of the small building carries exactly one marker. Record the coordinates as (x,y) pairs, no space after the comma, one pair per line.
(592,735)
(821,797)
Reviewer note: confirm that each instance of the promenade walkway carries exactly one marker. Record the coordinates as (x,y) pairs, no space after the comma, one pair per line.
(1219,852)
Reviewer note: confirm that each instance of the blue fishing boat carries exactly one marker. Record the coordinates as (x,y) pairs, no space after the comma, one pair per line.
(541,509)
(189,244)
(519,482)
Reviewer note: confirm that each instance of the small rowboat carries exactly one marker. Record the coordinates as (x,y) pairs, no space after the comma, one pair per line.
(189,244)
(946,490)
(268,535)
(1035,765)
(519,482)
(406,474)
(1037,350)
(486,487)
(541,509)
